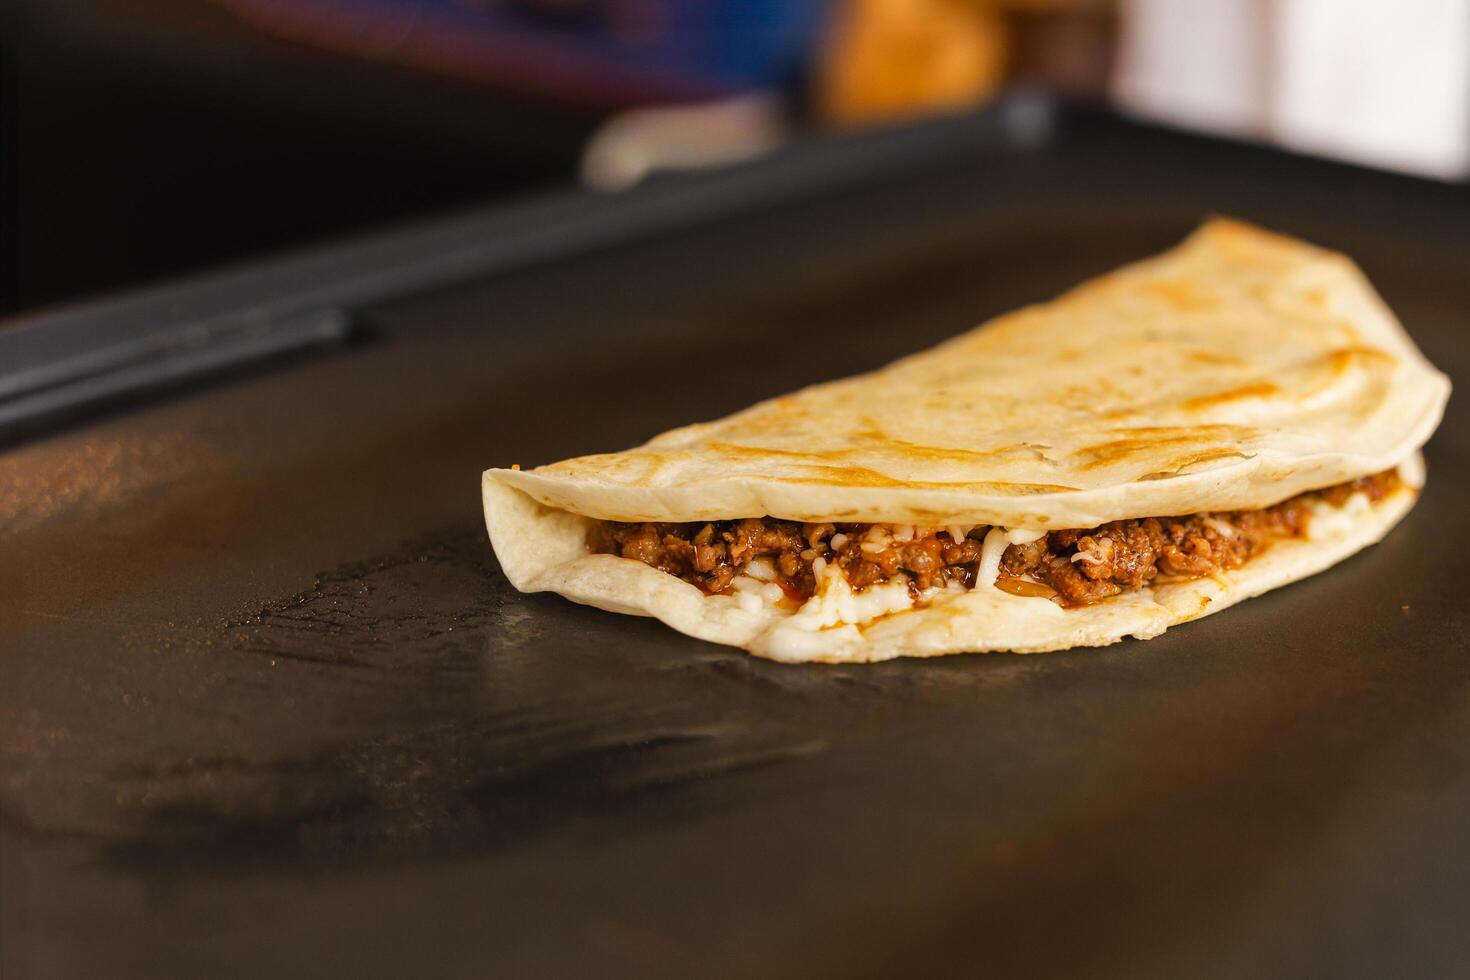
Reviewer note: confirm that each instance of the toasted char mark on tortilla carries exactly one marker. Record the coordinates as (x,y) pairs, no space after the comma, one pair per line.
(1115,449)
(875,438)
(1193,431)
(909,450)
(870,431)
(861,476)
(1148,443)
(1181,463)
(1216,358)
(1345,358)
(761,452)
(917,450)
(1178,466)
(1259,389)
(1183,295)
(1142,441)
(1309,379)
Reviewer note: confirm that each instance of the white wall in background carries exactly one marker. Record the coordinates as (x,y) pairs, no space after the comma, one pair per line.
(1200,62)
(1383,82)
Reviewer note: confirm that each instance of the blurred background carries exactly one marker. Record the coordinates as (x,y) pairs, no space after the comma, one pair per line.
(267,705)
(145,139)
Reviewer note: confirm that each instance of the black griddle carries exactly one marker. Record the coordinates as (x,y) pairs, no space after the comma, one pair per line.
(270,709)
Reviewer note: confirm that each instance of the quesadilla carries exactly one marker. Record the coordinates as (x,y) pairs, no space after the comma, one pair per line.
(1151,447)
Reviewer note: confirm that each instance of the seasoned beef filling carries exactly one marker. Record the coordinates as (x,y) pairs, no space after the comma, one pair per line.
(1077,567)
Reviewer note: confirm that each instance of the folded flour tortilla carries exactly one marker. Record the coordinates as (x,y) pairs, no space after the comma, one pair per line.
(1236,371)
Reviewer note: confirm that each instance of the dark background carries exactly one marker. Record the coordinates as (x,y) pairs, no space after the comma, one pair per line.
(153,140)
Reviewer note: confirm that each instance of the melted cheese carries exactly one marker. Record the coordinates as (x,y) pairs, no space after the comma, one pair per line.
(1330,522)
(991,552)
(837,609)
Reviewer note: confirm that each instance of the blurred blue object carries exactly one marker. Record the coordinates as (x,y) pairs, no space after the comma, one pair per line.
(605,52)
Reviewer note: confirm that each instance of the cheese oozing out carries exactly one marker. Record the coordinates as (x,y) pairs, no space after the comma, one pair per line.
(835,610)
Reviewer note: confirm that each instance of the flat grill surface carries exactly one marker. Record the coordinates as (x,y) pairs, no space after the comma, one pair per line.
(269,707)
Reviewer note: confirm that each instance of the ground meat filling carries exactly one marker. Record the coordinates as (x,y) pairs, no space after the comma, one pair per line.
(712,555)
(1077,567)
